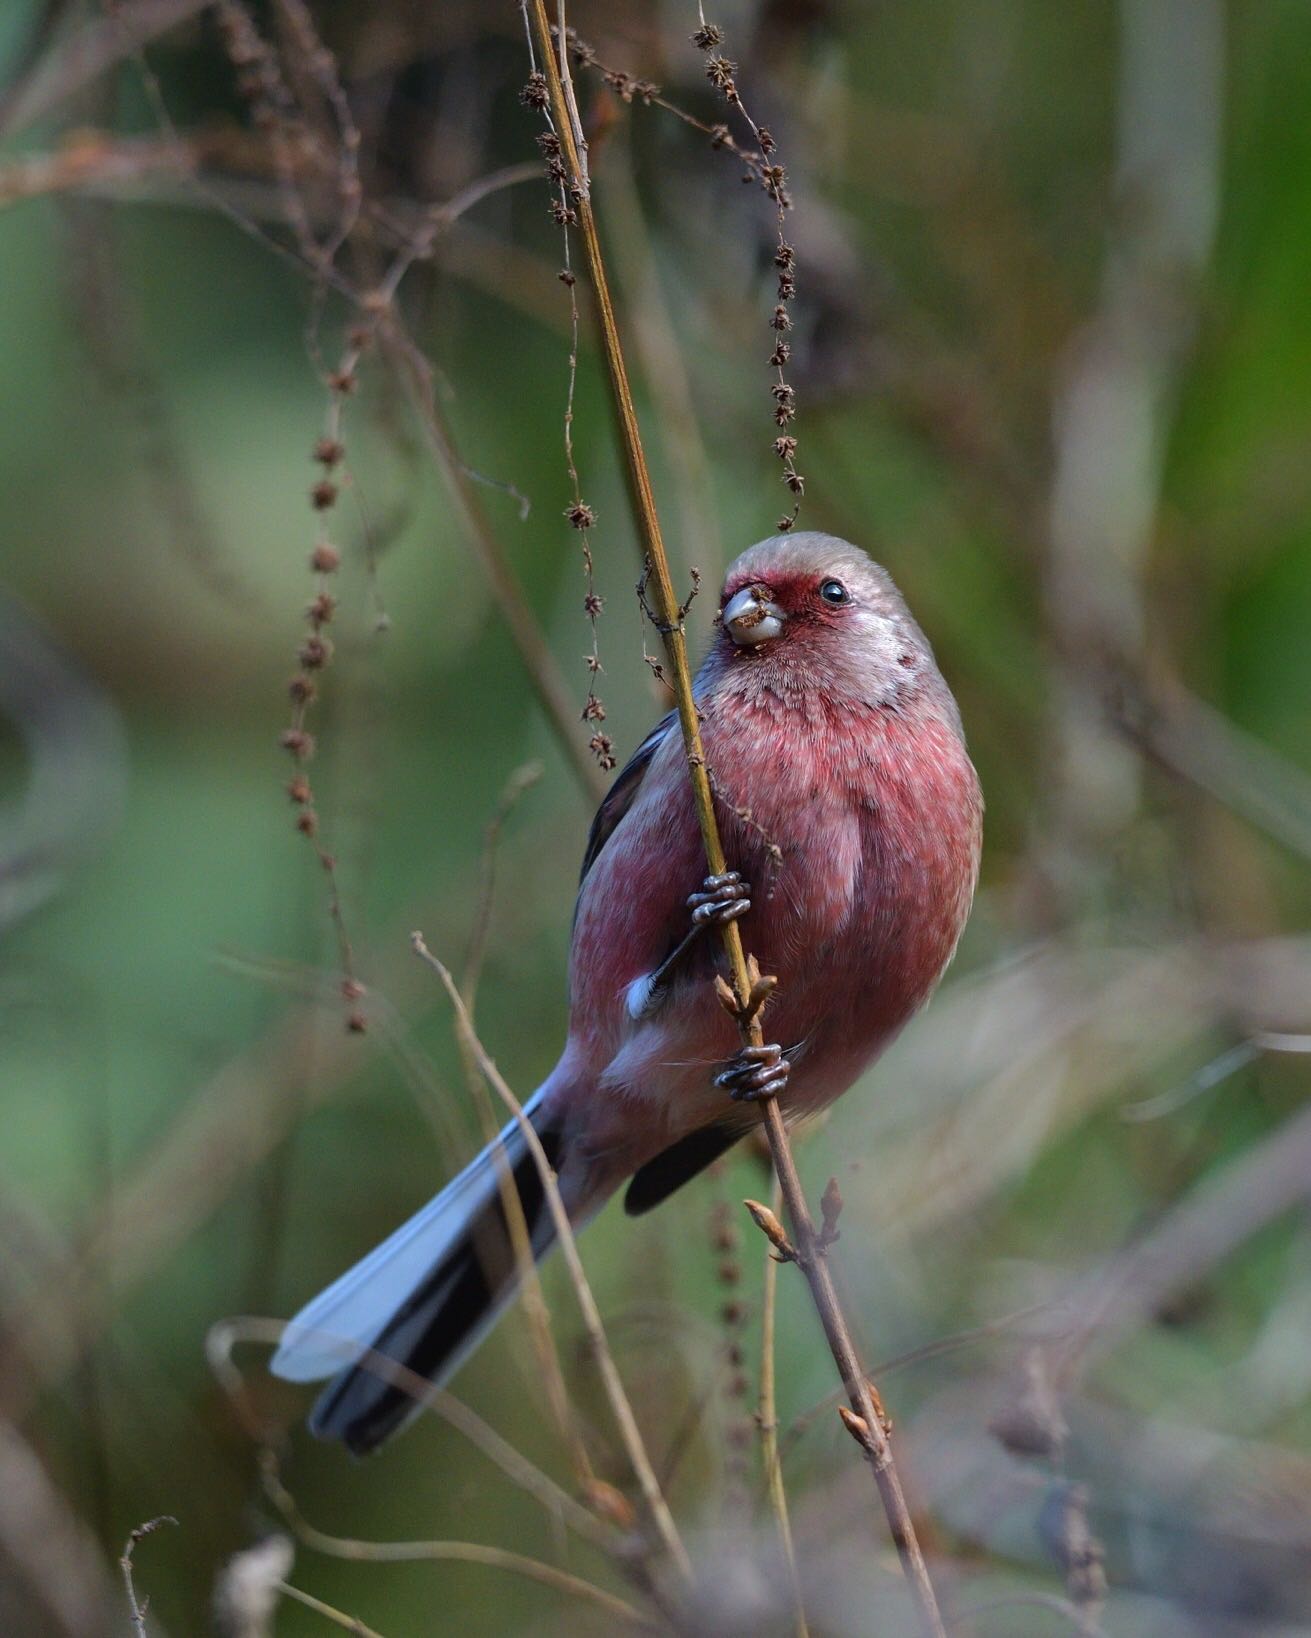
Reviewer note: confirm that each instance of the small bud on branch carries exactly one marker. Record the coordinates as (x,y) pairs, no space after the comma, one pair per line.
(772,1229)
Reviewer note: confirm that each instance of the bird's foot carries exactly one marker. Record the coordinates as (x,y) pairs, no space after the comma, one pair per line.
(722,899)
(755,1072)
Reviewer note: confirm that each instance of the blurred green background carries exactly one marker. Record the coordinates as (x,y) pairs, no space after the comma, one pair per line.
(1053,367)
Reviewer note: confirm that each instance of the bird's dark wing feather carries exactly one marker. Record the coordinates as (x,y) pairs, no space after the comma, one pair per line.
(619,798)
(679,1164)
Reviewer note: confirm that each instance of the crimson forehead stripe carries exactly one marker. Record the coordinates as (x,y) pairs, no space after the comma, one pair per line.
(780,585)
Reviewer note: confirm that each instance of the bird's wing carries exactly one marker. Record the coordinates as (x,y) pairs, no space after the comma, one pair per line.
(619,798)
(679,1164)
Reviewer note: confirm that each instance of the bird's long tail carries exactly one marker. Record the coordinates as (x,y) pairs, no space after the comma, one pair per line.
(425,1297)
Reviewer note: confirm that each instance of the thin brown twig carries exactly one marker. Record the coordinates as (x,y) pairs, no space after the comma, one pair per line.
(136,1607)
(620,1405)
(867,1425)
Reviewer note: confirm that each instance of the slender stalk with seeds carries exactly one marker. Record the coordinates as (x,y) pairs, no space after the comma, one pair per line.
(749,990)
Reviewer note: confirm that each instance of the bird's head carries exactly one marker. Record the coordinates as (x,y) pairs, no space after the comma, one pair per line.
(809,601)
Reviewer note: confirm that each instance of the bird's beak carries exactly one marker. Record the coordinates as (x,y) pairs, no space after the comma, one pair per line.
(751,617)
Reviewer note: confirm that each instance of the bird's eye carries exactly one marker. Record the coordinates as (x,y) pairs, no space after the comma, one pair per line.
(833,591)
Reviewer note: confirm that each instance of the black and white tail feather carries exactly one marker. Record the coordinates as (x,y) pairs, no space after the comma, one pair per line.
(425,1297)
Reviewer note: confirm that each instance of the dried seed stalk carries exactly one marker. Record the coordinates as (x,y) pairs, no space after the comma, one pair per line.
(810,1256)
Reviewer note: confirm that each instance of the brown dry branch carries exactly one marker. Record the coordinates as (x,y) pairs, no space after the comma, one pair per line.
(138,1607)
(227,167)
(620,1406)
(467,1552)
(811,1258)
(261,83)
(314,655)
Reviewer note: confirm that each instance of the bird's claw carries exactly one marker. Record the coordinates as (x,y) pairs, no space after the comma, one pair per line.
(722,899)
(755,1072)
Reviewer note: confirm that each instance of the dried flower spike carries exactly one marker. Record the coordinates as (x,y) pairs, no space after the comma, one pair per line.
(315,652)
(535,94)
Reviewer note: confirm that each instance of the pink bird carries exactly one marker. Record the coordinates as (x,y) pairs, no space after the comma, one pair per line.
(852,821)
